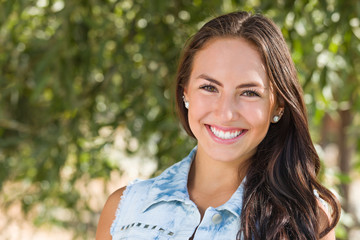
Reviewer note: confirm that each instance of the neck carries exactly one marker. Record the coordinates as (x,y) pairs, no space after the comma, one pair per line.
(213,176)
(212,182)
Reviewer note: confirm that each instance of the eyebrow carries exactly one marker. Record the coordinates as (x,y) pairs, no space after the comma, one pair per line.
(213,80)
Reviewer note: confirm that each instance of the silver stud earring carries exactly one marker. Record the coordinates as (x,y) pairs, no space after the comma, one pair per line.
(186,103)
(276,118)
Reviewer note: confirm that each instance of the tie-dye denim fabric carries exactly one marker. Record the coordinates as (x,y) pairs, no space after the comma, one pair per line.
(160,208)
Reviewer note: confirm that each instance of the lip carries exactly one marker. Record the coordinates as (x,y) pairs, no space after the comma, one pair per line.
(225,141)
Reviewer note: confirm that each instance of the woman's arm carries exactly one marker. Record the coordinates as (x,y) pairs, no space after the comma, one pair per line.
(329,236)
(324,220)
(108,215)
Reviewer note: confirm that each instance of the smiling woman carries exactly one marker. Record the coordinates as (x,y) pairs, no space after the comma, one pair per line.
(231,115)
(253,172)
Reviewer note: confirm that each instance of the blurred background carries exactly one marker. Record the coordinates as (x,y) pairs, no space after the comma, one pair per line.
(86,101)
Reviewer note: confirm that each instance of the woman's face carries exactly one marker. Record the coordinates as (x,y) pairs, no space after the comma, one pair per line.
(230,101)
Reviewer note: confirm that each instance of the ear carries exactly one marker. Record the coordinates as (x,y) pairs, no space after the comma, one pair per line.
(278,111)
(277,114)
(185,93)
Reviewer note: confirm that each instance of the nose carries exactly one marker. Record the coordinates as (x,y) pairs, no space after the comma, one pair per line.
(227,109)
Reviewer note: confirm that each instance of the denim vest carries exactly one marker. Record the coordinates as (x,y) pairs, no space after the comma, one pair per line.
(160,208)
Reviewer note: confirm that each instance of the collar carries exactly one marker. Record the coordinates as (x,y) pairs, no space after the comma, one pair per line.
(171,185)
(234,204)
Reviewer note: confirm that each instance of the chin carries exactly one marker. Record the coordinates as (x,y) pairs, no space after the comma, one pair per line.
(225,156)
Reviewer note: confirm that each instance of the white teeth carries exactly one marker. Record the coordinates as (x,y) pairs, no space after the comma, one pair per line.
(225,135)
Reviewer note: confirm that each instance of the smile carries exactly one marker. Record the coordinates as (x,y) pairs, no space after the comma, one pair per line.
(229,134)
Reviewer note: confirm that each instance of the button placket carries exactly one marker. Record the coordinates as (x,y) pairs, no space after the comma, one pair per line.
(216,218)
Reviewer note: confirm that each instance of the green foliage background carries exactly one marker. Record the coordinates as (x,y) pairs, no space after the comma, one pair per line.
(70,69)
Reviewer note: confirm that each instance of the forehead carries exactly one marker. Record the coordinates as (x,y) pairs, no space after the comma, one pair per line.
(230,58)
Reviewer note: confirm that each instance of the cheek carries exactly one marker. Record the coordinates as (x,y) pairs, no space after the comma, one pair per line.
(196,112)
(201,104)
(257,115)
(201,107)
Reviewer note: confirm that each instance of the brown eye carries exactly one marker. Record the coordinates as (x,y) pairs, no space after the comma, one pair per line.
(209,88)
(250,93)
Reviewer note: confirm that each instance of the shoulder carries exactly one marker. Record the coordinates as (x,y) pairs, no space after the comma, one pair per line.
(109,212)
(121,202)
(108,215)
(324,219)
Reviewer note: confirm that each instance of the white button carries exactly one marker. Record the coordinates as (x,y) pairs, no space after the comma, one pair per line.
(217,218)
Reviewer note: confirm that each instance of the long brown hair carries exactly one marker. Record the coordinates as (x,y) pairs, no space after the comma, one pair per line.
(279,197)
